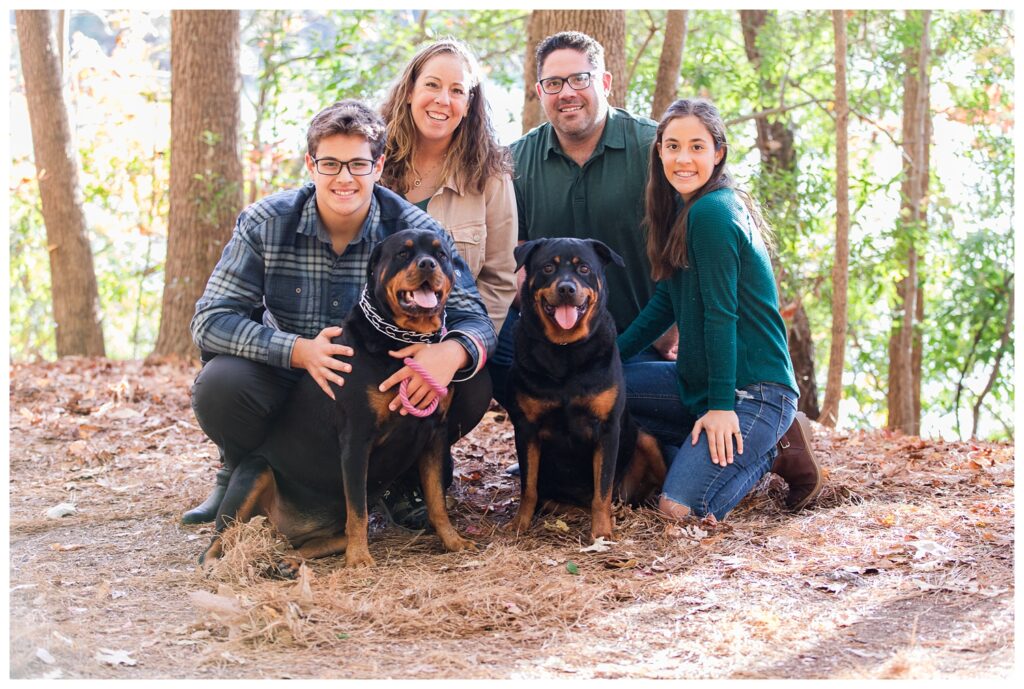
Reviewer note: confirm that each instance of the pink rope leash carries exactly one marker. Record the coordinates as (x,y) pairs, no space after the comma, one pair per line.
(403,393)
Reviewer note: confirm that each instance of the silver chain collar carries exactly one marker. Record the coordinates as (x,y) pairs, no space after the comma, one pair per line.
(392,330)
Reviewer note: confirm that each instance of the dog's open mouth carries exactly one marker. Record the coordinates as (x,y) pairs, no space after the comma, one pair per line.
(566,315)
(424,298)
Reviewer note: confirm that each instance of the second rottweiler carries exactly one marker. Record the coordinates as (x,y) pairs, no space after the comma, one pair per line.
(575,440)
(325,461)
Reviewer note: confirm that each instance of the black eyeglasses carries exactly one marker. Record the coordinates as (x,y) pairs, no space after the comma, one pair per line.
(577,82)
(357,167)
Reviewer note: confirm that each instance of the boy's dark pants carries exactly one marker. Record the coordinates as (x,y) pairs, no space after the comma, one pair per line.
(236,401)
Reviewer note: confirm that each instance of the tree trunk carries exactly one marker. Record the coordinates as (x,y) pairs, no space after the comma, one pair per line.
(666,84)
(607,27)
(206,170)
(803,367)
(1004,345)
(840,266)
(76,309)
(917,341)
(904,404)
(775,141)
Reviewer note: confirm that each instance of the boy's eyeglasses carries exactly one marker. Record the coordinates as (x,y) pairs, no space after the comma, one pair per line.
(358,167)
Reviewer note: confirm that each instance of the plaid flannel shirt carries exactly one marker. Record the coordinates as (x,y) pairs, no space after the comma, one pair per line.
(280,257)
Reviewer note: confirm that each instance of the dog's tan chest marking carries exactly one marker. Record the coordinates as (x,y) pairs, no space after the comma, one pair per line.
(533,408)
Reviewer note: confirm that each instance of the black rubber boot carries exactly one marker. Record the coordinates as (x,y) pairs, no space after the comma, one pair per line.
(207,511)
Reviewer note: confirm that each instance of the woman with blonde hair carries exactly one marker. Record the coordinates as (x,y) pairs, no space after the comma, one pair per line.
(443,156)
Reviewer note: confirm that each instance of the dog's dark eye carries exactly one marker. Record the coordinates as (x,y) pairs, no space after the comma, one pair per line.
(403,254)
(548,268)
(583,269)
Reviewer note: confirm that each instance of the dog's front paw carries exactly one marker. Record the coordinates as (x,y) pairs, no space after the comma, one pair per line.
(518,525)
(213,552)
(455,543)
(358,558)
(288,567)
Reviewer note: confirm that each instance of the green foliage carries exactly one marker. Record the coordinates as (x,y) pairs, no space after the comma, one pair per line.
(307,60)
(31,318)
(296,61)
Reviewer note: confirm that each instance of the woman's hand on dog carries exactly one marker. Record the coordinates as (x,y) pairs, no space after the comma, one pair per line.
(440,360)
(722,426)
(317,357)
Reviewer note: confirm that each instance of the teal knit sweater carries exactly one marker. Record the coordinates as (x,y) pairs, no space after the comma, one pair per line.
(726,306)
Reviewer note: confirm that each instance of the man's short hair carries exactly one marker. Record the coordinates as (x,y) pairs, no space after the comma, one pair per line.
(574,40)
(347,117)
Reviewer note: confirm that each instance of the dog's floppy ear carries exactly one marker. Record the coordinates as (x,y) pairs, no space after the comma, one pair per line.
(606,254)
(523,251)
(372,263)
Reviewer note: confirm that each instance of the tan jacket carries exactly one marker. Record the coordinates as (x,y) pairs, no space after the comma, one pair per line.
(485,228)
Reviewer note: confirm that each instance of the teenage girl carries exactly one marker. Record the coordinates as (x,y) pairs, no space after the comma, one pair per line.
(734,390)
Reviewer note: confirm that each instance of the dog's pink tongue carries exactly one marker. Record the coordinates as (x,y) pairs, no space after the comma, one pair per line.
(566,316)
(425,298)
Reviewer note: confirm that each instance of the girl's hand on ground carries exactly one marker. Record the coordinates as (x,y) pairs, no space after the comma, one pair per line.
(721,426)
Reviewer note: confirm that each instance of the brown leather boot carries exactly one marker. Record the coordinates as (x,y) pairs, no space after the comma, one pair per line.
(796,465)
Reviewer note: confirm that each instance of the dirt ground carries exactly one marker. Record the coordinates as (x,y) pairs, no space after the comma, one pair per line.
(904,568)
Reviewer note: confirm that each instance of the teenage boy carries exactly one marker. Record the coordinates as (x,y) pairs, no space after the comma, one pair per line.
(300,257)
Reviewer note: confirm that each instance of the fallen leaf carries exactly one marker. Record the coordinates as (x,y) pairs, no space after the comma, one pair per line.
(45,656)
(78,448)
(109,485)
(618,563)
(217,604)
(886,520)
(599,546)
(513,608)
(927,548)
(66,548)
(571,567)
(558,525)
(111,657)
(61,510)
(86,431)
(304,584)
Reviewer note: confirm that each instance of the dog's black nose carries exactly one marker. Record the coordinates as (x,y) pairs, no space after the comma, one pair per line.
(426,263)
(567,288)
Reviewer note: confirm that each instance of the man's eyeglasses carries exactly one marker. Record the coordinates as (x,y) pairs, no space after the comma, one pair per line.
(577,82)
(357,167)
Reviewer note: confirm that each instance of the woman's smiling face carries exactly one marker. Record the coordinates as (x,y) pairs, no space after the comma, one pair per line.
(440,97)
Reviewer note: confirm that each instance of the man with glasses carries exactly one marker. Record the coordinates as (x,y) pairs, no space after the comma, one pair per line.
(583,174)
(292,270)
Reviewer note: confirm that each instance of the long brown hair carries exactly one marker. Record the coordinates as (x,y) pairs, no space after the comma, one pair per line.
(666,230)
(474,153)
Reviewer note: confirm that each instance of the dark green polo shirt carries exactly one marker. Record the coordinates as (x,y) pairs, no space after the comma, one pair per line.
(602,200)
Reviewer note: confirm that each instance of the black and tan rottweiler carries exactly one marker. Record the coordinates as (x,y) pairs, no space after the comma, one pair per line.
(573,432)
(325,461)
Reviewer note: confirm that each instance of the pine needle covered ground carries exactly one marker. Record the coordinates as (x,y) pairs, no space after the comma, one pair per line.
(903,569)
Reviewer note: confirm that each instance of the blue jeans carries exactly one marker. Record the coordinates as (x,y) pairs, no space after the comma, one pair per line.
(500,364)
(765,412)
